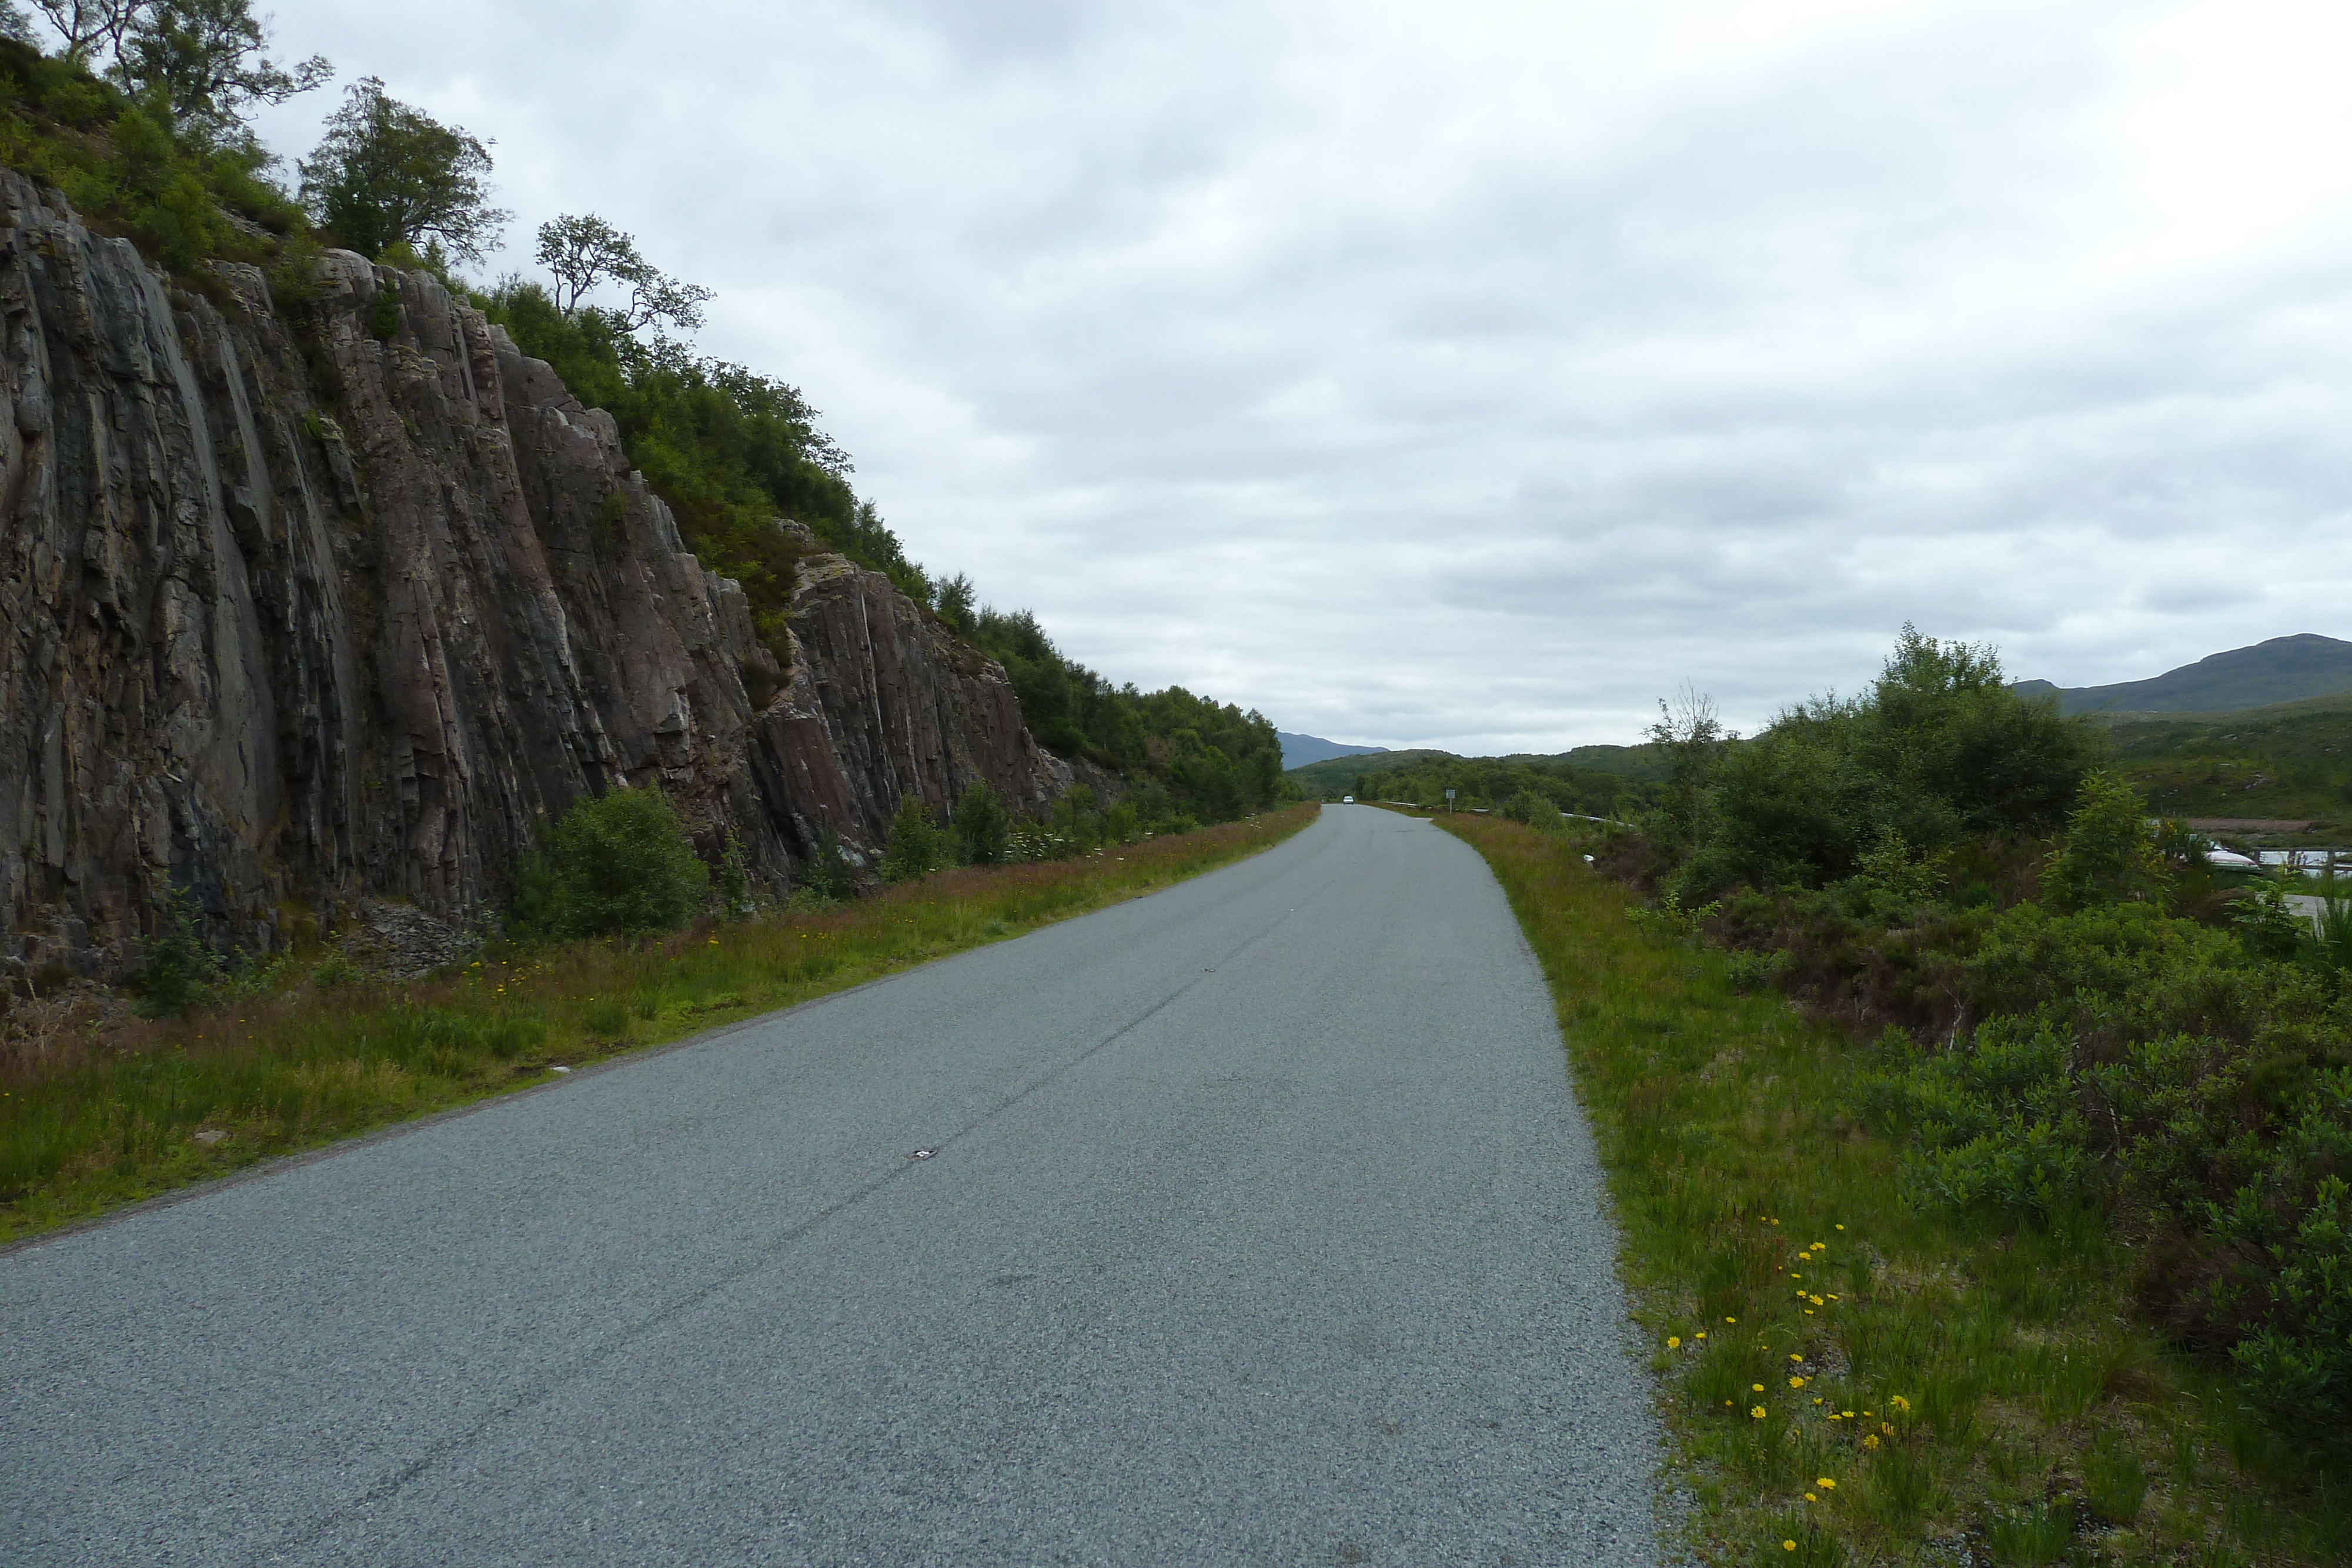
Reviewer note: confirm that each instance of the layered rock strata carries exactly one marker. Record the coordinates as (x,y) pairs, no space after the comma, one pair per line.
(309,602)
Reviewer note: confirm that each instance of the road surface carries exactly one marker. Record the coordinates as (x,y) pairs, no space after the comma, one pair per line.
(1262,1227)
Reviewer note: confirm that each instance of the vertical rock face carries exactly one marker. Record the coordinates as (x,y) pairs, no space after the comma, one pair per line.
(314,602)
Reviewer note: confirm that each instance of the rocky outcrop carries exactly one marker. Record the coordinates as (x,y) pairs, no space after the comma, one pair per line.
(315,601)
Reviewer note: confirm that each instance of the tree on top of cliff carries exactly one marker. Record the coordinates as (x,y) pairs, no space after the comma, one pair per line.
(387,175)
(200,62)
(585,253)
(202,58)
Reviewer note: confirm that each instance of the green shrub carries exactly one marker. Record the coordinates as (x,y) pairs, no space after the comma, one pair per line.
(914,850)
(2110,853)
(176,969)
(617,864)
(982,832)
(735,895)
(828,874)
(1534,809)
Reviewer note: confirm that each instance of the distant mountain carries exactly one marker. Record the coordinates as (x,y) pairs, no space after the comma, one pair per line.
(2283,670)
(1299,750)
(1338,775)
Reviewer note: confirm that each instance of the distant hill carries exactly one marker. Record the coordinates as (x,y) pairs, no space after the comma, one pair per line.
(1336,775)
(1627,761)
(2283,670)
(1299,750)
(2291,760)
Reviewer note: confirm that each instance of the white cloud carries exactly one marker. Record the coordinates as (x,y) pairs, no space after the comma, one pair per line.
(1473,375)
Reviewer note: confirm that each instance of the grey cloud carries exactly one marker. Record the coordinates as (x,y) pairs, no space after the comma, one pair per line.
(1468,379)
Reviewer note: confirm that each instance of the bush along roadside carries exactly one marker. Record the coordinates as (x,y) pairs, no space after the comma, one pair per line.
(1854,1368)
(297,1056)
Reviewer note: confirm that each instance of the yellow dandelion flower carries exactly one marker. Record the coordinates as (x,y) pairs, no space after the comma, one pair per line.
(1816,1301)
(1674,1341)
(1898,1403)
(1809,1312)
(1887,1428)
(1796,1277)
(1825,1483)
(1776,1222)
(1847,1414)
(1796,1382)
(1794,1356)
(1701,1334)
(1817,1399)
(1788,1546)
(1731,1320)
(1758,1412)
(1756,1386)
(1871,1441)
(1841,1227)
(1833,1297)
(1811,1497)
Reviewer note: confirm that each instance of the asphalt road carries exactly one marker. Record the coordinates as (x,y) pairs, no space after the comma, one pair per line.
(1263,1228)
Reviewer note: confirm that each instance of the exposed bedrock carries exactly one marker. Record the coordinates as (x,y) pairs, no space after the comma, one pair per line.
(311,603)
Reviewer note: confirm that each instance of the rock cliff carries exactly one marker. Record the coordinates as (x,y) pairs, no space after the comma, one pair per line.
(312,603)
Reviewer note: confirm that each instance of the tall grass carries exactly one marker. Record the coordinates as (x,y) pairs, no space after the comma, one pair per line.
(97,1120)
(1846,1379)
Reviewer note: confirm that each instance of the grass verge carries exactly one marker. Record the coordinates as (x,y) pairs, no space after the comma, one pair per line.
(1845,1379)
(88,1127)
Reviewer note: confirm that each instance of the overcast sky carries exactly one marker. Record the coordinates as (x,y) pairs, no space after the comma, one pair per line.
(1471,375)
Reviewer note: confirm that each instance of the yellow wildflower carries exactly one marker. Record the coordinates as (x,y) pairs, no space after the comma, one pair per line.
(1794,1356)
(1898,1403)
(1788,1546)
(1871,1441)
(1811,1497)
(1796,1382)
(1674,1341)
(1758,1412)
(1731,1320)
(1756,1386)
(1825,1483)
(1841,1227)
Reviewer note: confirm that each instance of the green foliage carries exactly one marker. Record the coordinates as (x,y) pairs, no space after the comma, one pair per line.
(1938,751)
(2118,1041)
(915,849)
(176,969)
(585,253)
(1486,782)
(828,874)
(386,175)
(1196,757)
(127,170)
(617,864)
(1992,1356)
(2290,760)
(2110,853)
(734,880)
(202,62)
(730,451)
(982,828)
(1533,807)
